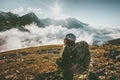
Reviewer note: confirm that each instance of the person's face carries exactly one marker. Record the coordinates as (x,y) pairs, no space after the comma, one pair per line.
(65,41)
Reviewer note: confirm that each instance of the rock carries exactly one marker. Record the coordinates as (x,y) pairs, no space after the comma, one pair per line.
(102,77)
(2,77)
(23,53)
(11,76)
(112,68)
(118,58)
(101,72)
(41,51)
(93,76)
(113,78)
(112,53)
(17,71)
(49,76)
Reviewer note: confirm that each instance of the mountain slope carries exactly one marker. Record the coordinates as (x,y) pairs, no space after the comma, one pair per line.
(30,18)
(38,63)
(114,42)
(9,20)
(68,23)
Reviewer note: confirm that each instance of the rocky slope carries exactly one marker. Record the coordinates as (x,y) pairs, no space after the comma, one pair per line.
(9,20)
(38,63)
(114,42)
(68,23)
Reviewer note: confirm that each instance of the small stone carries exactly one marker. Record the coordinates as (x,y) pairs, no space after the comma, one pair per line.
(10,76)
(93,76)
(17,71)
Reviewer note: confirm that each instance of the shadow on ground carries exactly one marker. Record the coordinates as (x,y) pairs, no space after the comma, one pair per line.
(56,75)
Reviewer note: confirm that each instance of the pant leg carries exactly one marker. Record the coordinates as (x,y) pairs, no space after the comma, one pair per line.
(67,74)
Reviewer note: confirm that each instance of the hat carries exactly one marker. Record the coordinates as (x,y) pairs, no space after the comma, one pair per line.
(70,37)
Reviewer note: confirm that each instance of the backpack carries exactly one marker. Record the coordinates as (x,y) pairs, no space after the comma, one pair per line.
(82,59)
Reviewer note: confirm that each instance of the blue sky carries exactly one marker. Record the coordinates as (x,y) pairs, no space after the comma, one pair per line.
(94,12)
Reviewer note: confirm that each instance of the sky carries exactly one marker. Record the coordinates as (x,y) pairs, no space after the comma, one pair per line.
(98,13)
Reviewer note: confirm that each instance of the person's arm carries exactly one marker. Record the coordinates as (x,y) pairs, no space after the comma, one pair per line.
(68,56)
(64,55)
(62,61)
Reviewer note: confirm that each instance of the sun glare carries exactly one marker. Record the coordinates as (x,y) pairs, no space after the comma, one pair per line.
(57,12)
(56,9)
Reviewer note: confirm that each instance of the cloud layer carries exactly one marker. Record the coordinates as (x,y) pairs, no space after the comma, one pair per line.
(15,39)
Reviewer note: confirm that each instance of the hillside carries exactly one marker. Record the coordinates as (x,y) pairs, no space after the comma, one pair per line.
(114,41)
(39,62)
(9,20)
(68,23)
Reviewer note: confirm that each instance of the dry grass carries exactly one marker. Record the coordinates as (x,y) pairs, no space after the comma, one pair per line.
(25,64)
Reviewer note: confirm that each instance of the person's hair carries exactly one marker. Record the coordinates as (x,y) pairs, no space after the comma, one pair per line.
(69,42)
(70,36)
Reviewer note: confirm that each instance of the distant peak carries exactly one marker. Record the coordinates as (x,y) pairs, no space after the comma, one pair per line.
(31,13)
(1,12)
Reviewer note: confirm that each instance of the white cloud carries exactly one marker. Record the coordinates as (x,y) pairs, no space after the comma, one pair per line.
(15,39)
(18,10)
(35,10)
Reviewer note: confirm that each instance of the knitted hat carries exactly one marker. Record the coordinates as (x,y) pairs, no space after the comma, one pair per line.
(70,37)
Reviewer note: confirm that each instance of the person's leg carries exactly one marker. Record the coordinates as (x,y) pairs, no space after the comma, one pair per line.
(67,74)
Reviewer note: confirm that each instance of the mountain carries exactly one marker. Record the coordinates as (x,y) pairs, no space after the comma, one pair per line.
(68,23)
(114,42)
(9,20)
(30,18)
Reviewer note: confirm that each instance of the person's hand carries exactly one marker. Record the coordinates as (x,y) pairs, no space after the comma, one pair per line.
(59,61)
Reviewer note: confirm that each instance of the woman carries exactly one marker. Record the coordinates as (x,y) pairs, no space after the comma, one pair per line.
(68,55)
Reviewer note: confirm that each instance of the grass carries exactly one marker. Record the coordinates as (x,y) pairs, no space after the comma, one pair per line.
(25,64)
(30,64)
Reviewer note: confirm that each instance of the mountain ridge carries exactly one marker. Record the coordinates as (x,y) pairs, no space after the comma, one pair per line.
(68,23)
(8,20)
(114,42)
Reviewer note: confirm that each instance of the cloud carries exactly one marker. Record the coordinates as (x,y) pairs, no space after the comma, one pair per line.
(18,10)
(15,39)
(35,10)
